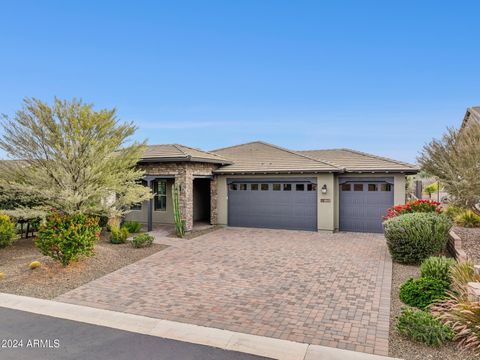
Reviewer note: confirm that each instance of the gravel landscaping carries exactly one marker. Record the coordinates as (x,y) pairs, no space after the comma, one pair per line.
(51,279)
(401,347)
(470,242)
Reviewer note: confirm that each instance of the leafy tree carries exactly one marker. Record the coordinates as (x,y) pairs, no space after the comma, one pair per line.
(455,161)
(432,188)
(74,158)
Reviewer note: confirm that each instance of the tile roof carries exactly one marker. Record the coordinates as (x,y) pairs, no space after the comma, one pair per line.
(353,160)
(176,152)
(260,157)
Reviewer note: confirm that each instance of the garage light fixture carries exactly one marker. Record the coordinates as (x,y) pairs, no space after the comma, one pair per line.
(324,189)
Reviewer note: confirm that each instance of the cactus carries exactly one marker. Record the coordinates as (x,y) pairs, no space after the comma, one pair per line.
(177,215)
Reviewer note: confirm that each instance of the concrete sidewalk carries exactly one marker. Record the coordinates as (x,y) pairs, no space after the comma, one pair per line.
(223,339)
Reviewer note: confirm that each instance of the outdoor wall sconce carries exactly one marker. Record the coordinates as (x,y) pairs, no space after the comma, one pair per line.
(324,189)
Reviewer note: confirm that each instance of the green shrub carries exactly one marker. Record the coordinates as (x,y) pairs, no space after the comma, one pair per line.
(422,326)
(413,237)
(142,240)
(437,267)
(67,237)
(118,236)
(422,292)
(132,226)
(453,211)
(467,219)
(8,234)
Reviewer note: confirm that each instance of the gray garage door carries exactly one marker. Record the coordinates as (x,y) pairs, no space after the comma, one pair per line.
(273,203)
(363,203)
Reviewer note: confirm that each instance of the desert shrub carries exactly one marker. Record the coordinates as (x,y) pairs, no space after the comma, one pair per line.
(412,238)
(458,310)
(132,226)
(142,240)
(422,292)
(467,219)
(67,237)
(461,274)
(8,233)
(118,236)
(423,206)
(422,326)
(437,267)
(453,211)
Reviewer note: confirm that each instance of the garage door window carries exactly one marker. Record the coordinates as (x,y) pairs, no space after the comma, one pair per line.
(277,187)
(312,187)
(346,187)
(243,186)
(372,187)
(233,187)
(357,187)
(254,187)
(264,187)
(287,187)
(386,187)
(300,187)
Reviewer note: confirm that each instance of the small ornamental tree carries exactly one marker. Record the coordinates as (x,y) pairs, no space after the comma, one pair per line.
(74,158)
(455,161)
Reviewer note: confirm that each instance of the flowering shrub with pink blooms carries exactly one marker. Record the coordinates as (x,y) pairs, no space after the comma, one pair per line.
(423,206)
(67,237)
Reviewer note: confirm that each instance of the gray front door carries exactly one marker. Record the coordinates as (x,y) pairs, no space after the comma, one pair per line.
(271,203)
(364,203)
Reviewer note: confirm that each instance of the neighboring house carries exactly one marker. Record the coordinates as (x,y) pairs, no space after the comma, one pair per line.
(263,185)
(472,114)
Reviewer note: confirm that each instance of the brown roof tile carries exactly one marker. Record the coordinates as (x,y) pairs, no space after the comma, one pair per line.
(260,157)
(353,160)
(177,152)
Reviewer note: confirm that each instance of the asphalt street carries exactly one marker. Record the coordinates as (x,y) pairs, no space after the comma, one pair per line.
(30,336)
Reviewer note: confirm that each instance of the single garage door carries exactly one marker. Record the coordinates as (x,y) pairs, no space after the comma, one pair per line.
(273,203)
(364,202)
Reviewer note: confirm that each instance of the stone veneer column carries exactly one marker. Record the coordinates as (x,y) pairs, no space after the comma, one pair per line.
(213,201)
(185,180)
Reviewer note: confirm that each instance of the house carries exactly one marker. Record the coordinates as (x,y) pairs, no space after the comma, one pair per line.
(263,185)
(472,114)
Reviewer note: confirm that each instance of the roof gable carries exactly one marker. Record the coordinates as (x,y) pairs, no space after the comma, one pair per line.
(261,157)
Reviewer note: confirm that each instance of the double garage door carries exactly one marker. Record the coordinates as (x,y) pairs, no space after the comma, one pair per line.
(292,203)
(273,203)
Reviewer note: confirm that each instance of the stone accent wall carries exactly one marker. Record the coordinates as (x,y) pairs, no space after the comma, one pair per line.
(213,202)
(184,173)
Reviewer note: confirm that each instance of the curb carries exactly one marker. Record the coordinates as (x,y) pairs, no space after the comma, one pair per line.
(224,339)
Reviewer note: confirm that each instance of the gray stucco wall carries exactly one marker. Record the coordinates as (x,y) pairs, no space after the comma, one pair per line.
(159,217)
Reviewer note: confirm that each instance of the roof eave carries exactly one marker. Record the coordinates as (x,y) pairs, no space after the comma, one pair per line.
(184,159)
(273,172)
(371,171)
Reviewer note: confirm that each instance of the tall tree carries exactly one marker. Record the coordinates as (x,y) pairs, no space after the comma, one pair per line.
(455,161)
(75,158)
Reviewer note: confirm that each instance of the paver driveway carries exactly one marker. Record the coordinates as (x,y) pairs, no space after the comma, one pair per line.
(316,288)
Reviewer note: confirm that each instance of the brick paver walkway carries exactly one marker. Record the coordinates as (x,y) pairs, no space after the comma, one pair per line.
(316,288)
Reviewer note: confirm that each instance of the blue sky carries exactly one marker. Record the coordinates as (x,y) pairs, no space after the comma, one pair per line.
(378,76)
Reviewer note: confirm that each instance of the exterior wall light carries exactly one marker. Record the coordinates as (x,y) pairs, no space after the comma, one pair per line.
(324,189)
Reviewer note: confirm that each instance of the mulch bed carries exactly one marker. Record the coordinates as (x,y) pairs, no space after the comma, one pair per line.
(51,279)
(401,347)
(470,242)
